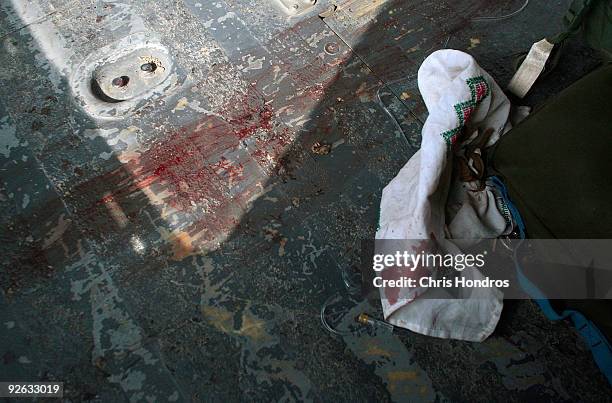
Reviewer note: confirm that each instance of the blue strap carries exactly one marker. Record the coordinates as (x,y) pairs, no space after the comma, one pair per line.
(516,217)
(595,340)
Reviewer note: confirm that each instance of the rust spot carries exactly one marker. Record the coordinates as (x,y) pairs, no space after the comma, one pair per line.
(397,378)
(222,319)
(376,350)
(182,245)
(321,148)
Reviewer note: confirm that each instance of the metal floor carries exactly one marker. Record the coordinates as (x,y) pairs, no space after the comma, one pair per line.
(178,245)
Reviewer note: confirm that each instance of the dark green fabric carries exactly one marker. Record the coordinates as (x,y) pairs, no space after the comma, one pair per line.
(597,27)
(557,166)
(594,19)
(558,163)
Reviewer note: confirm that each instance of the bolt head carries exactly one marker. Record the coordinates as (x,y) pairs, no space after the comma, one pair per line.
(148,67)
(120,81)
(331,48)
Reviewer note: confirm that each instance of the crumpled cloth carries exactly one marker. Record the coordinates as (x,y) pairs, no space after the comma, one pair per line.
(424,201)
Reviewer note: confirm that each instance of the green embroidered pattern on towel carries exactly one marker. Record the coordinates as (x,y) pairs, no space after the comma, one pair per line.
(479,89)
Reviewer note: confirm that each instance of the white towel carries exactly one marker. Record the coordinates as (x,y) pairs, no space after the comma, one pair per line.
(460,97)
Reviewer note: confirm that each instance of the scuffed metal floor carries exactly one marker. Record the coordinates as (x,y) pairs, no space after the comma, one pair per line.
(178,247)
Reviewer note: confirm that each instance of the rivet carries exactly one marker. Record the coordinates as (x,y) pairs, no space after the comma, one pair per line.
(331,48)
(148,67)
(120,81)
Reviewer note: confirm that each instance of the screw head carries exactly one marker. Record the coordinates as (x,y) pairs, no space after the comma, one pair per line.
(148,67)
(331,48)
(120,81)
